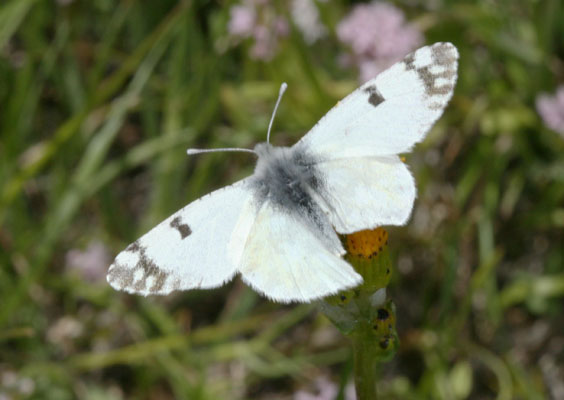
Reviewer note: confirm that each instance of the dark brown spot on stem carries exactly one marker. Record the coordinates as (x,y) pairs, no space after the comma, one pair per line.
(383,314)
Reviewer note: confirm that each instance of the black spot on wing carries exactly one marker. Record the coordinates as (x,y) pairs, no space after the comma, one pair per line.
(120,276)
(444,56)
(429,80)
(375,97)
(133,247)
(149,269)
(183,229)
(409,61)
(124,276)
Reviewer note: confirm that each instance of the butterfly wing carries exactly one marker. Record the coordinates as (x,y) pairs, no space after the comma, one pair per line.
(285,260)
(390,113)
(356,144)
(200,246)
(366,192)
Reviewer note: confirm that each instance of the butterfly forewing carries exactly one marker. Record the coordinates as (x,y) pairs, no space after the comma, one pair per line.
(367,192)
(197,247)
(390,113)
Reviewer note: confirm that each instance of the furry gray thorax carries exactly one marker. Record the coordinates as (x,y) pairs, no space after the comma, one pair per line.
(287,177)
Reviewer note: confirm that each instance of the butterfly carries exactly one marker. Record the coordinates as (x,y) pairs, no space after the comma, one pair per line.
(278,228)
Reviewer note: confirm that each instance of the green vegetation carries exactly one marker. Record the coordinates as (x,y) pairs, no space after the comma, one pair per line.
(99,101)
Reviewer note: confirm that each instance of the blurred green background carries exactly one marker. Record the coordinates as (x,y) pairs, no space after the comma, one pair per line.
(100,99)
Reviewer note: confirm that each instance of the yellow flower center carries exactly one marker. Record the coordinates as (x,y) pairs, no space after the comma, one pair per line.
(366,243)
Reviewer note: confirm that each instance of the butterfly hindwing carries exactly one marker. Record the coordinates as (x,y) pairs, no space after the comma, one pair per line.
(286,260)
(366,192)
(197,247)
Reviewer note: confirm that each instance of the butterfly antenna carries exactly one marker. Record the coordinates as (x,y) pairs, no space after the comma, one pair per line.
(283,88)
(199,151)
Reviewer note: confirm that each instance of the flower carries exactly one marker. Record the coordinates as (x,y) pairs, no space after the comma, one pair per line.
(14,386)
(367,252)
(91,263)
(306,17)
(551,110)
(243,20)
(366,243)
(325,390)
(378,37)
(258,21)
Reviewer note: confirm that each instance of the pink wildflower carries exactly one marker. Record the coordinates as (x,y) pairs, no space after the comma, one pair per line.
(91,263)
(551,109)
(243,20)
(306,17)
(257,20)
(378,37)
(325,390)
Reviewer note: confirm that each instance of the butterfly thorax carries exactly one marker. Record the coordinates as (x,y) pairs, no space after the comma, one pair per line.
(285,174)
(288,178)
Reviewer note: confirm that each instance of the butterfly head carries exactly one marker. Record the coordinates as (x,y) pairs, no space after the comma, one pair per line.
(263,150)
(269,158)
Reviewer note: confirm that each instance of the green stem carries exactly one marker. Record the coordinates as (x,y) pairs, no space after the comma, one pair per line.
(364,367)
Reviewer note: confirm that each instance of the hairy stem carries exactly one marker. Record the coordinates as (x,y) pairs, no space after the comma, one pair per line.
(364,367)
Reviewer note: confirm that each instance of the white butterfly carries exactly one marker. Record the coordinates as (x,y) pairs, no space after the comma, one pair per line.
(277,227)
